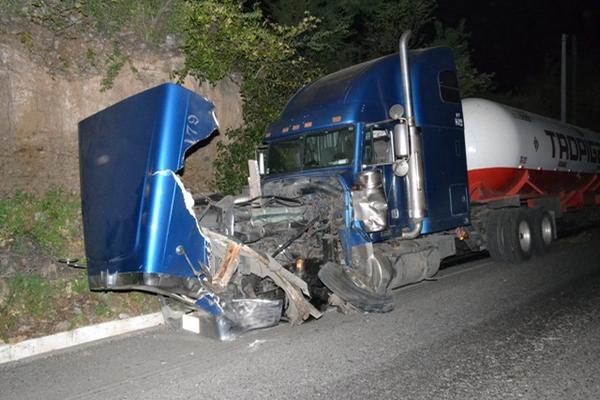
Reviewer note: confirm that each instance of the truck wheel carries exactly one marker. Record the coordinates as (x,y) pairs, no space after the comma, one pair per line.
(495,235)
(543,231)
(518,238)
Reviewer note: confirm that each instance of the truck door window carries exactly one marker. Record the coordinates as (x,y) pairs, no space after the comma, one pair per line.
(377,147)
(449,87)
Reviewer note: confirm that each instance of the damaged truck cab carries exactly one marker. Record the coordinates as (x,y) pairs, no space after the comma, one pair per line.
(357,189)
(371,129)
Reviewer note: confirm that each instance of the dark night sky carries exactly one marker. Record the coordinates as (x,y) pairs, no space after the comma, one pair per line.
(514,38)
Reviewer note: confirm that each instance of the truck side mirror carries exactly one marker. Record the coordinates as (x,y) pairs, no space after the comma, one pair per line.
(401,146)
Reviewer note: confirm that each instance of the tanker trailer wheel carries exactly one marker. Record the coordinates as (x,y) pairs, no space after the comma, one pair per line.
(495,235)
(493,231)
(518,234)
(542,230)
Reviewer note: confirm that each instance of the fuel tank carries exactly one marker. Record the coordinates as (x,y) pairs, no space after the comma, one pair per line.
(515,152)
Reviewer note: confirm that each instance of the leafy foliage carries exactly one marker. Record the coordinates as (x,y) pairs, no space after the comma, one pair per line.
(273,47)
(470,79)
(37,306)
(273,59)
(149,19)
(122,22)
(223,38)
(354,31)
(51,220)
(358,30)
(115,62)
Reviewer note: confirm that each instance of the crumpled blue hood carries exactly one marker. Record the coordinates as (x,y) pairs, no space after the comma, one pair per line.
(131,196)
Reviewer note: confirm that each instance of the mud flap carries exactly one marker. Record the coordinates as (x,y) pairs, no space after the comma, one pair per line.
(339,280)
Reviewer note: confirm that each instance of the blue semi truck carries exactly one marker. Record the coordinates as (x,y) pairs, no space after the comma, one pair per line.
(360,187)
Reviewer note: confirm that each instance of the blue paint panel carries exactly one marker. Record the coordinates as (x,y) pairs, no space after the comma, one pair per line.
(459,199)
(361,93)
(351,237)
(444,152)
(134,215)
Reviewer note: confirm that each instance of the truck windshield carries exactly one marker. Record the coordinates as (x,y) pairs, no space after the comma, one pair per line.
(315,150)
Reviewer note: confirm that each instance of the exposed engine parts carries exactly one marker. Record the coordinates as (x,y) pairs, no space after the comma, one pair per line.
(294,222)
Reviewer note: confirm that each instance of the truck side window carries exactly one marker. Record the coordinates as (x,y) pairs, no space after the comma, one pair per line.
(378,147)
(449,87)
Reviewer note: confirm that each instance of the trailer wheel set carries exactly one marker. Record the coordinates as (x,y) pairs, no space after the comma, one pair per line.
(515,234)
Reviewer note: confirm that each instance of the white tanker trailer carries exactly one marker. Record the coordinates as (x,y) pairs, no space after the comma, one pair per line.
(526,170)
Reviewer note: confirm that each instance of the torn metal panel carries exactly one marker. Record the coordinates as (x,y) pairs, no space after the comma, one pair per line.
(240,315)
(140,226)
(227,267)
(132,200)
(298,308)
(369,202)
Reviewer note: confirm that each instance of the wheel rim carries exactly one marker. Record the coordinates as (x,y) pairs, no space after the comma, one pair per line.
(546,228)
(524,236)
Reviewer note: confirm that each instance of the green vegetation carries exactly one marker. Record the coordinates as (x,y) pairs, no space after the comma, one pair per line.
(26,39)
(472,82)
(50,221)
(31,293)
(355,31)
(125,23)
(222,39)
(102,310)
(91,57)
(36,306)
(37,296)
(278,46)
(80,284)
(149,20)
(273,47)
(115,62)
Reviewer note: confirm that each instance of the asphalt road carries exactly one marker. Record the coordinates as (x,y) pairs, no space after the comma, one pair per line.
(483,330)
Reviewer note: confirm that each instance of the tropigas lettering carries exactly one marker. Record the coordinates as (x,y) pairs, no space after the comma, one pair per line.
(571,148)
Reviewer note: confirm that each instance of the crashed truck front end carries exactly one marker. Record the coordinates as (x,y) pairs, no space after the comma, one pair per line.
(142,230)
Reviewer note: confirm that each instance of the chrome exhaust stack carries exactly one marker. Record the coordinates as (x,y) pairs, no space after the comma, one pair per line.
(415,179)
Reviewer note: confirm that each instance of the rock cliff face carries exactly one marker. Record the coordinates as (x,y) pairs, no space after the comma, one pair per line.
(39,112)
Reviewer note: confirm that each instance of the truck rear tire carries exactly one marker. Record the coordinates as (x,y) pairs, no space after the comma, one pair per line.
(518,238)
(542,231)
(495,235)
